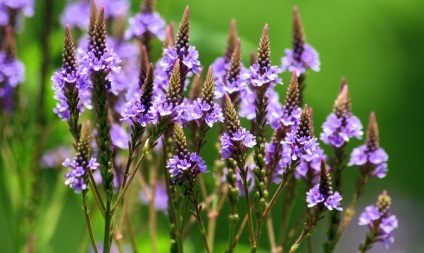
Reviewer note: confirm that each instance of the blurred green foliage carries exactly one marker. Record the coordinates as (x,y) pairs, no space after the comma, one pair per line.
(377,45)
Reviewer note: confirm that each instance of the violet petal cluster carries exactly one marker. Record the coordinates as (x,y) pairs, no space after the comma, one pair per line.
(257,77)
(106,61)
(76,14)
(81,82)
(331,200)
(376,159)
(338,131)
(309,59)
(166,108)
(11,74)
(386,222)
(136,111)
(191,163)
(75,177)
(15,6)
(301,145)
(200,109)
(143,23)
(240,140)
(310,163)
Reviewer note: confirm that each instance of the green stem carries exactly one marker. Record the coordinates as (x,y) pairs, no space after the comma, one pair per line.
(248,207)
(286,178)
(88,220)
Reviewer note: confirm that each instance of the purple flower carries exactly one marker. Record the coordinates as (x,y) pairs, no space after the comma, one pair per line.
(370,215)
(310,162)
(309,59)
(24,6)
(331,200)
(201,109)
(268,76)
(314,197)
(380,220)
(80,82)
(143,23)
(75,177)
(189,59)
(239,141)
(11,70)
(135,111)
(220,67)
(165,108)
(374,159)
(339,130)
(96,61)
(76,14)
(301,145)
(161,198)
(115,8)
(185,164)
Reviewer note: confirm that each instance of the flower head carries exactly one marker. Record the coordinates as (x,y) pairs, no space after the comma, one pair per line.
(341,125)
(370,157)
(143,23)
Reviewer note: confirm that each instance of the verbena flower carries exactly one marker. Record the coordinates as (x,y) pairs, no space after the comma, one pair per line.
(144,23)
(201,109)
(300,139)
(11,75)
(236,142)
(380,222)
(341,125)
(258,77)
(302,56)
(322,193)
(120,136)
(77,169)
(179,165)
(76,14)
(96,61)
(53,158)
(299,63)
(310,163)
(7,7)
(370,157)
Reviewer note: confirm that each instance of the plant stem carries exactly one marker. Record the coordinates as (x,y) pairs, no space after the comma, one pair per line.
(248,209)
(152,210)
(286,178)
(88,220)
(198,216)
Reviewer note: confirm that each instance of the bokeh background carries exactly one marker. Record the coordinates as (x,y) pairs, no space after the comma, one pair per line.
(377,45)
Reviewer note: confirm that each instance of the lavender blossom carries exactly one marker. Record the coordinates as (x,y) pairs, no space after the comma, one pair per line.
(76,172)
(190,163)
(258,77)
(380,222)
(144,23)
(341,125)
(237,142)
(303,56)
(119,136)
(11,74)
(76,14)
(300,139)
(7,7)
(322,193)
(201,109)
(310,164)
(53,158)
(370,157)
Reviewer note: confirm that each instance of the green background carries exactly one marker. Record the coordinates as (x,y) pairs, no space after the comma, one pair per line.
(377,45)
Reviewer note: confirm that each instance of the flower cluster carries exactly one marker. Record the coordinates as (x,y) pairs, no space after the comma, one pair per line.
(237,142)
(341,125)
(300,139)
(322,193)
(96,61)
(370,157)
(310,163)
(201,109)
(258,77)
(300,62)
(379,220)
(331,200)
(7,7)
(11,74)
(136,111)
(190,163)
(76,176)
(143,23)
